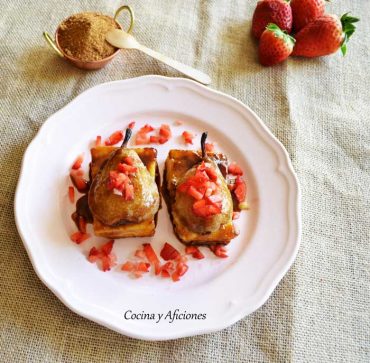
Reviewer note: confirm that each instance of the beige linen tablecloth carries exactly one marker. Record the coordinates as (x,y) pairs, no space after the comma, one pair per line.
(318,108)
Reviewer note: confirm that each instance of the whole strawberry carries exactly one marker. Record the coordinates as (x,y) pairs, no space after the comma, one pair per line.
(324,36)
(306,11)
(278,12)
(275,46)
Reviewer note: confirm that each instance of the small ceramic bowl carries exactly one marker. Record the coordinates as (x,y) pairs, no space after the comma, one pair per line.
(88,64)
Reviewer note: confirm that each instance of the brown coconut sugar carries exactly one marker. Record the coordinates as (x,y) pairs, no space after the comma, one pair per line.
(82,36)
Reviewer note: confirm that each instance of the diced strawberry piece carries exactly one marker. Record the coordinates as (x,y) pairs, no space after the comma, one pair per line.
(208,192)
(113,139)
(210,148)
(212,210)
(143,267)
(79,237)
(107,247)
(165,273)
(195,193)
(169,252)
(129,192)
(128,266)
(235,169)
(219,251)
(181,268)
(71,194)
(154,139)
(175,277)
(199,204)
(168,266)
(152,257)
(165,131)
(106,263)
(183,188)
(126,168)
(240,190)
(81,224)
(79,181)
(211,173)
(142,139)
(182,258)
(78,162)
(131,125)
(194,251)
(189,250)
(145,129)
(236,215)
(94,255)
(188,137)
(198,255)
(129,160)
(98,141)
(162,139)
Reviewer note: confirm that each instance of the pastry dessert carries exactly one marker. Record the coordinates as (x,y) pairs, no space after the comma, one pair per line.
(197,195)
(123,197)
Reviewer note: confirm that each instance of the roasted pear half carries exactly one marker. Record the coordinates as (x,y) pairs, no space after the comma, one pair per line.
(184,203)
(110,207)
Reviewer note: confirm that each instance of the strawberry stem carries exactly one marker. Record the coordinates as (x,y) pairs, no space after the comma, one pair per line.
(280,33)
(348,29)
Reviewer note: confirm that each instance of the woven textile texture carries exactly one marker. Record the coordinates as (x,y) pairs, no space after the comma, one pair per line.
(318,108)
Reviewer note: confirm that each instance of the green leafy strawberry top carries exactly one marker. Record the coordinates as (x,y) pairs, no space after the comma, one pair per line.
(280,33)
(348,29)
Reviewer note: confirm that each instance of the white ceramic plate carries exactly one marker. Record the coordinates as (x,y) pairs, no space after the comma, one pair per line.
(225,290)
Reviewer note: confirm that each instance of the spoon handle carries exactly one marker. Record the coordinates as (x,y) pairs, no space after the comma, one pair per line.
(183,68)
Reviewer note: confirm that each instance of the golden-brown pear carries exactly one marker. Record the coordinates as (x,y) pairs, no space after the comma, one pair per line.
(110,207)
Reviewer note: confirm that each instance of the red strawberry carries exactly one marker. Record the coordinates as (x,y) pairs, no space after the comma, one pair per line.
(325,36)
(271,11)
(275,46)
(306,11)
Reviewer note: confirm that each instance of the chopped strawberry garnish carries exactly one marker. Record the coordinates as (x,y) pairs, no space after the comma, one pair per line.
(194,251)
(81,224)
(126,168)
(236,215)
(107,247)
(211,173)
(143,267)
(181,268)
(98,141)
(219,251)
(235,169)
(117,180)
(104,254)
(169,252)
(129,160)
(93,255)
(165,131)
(78,162)
(165,273)
(240,190)
(79,181)
(131,125)
(168,266)
(145,129)
(128,266)
(71,194)
(79,237)
(152,257)
(113,139)
(215,199)
(210,148)
(175,277)
(154,139)
(195,193)
(188,137)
